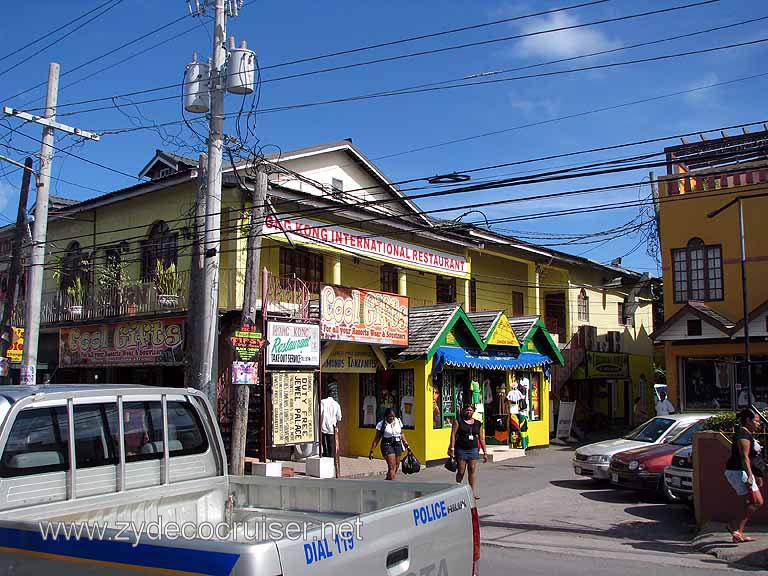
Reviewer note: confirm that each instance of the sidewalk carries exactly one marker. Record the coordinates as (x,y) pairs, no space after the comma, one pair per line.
(351,467)
(714,539)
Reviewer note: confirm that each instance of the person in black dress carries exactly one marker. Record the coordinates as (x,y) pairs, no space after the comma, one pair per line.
(466,436)
(744,471)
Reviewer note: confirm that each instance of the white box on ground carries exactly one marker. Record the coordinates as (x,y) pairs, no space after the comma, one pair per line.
(319,467)
(267,469)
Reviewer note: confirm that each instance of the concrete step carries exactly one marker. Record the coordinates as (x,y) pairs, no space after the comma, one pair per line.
(501,453)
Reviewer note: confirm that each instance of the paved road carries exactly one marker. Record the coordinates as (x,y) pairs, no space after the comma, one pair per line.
(538,518)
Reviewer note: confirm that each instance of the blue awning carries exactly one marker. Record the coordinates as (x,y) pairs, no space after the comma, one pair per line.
(460,358)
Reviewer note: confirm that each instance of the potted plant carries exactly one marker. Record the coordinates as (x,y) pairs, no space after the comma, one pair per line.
(167,284)
(76,293)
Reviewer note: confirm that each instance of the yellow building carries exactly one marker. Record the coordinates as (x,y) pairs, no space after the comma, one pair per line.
(703,331)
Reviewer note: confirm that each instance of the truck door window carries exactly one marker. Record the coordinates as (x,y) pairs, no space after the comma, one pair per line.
(95,433)
(37,444)
(143,425)
(185,431)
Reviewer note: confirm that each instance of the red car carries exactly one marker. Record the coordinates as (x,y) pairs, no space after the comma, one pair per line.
(643,468)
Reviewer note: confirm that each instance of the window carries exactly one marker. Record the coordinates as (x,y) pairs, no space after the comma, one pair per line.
(625,319)
(37,444)
(472,295)
(534,397)
(447,397)
(306,266)
(143,425)
(159,245)
(391,389)
(96,435)
(697,272)
(518,307)
(185,431)
(337,187)
(389,279)
(583,306)
(694,327)
(446,290)
(74,265)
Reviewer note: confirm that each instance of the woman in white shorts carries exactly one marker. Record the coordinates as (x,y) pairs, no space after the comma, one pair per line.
(744,471)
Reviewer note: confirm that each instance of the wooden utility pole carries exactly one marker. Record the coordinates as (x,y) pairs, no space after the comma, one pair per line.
(250,299)
(15,269)
(195,300)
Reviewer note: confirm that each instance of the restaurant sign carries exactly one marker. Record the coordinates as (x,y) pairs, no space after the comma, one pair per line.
(607,365)
(502,334)
(331,237)
(293,344)
(365,316)
(293,408)
(157,342)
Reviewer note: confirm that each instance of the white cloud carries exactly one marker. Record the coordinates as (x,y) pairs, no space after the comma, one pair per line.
(702,96)
(6,192)
(565,43)
(545,107)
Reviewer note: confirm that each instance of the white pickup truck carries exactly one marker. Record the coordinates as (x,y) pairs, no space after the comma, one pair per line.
(110,479)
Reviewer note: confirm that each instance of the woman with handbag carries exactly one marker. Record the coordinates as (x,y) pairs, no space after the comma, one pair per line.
(390,432)
(745,470)
(466,436)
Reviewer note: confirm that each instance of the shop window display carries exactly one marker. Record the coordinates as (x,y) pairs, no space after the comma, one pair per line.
(391,389)
(534,397)
(449,391)
(709,383)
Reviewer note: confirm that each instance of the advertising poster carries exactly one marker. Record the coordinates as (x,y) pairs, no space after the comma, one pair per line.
(245,373)
(293,408)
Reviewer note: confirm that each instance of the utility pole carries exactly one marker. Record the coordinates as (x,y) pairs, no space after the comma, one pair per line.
(196,299)
(250,299)
(40,228)
(15,270)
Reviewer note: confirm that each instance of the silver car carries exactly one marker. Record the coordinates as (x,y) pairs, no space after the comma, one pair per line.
(678,477)
(593,460)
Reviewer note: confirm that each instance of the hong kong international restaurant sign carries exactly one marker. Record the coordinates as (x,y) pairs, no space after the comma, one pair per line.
(364,316)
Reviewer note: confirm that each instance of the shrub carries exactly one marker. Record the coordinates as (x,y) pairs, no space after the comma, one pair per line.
(725,422)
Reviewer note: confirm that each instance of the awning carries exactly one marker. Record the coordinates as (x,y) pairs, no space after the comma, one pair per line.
(460,358)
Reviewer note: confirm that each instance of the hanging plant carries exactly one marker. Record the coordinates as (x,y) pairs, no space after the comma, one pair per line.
(76,293)
(167,284)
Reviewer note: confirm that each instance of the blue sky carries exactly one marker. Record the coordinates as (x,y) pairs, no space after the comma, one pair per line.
(281,32)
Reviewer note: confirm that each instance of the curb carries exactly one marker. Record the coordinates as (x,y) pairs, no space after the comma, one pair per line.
(713,539)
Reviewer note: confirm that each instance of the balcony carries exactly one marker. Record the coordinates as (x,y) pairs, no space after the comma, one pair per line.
(101,304)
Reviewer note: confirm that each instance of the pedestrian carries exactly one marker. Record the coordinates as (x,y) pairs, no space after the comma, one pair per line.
(330,416)
(638,412)
(663,406)
(390,431)
(745,470)
(466,436)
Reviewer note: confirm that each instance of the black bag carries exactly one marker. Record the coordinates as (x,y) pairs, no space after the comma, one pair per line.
(410,464)
(522,404)
(758,466)
(451,465)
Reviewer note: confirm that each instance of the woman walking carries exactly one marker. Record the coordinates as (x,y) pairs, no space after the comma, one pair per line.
(390,432)
(744,471)
(466,435)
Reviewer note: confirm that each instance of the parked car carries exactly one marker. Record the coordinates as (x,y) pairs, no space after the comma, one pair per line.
(593,460)
(110,479)
(643,468)
(678,477)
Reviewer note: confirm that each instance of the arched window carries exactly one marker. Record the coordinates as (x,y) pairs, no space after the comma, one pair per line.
(583,306)
(159,245)
(697,272)
(74,265)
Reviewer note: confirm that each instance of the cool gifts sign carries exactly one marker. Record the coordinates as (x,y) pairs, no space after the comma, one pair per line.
(293,344)
(293,408)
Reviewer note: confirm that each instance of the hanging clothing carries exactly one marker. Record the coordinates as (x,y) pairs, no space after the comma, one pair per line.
(474,387)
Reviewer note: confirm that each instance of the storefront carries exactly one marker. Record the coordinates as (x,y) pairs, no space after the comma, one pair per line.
(149,351)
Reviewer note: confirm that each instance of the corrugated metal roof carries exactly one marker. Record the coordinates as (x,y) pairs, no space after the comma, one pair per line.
(425,324)
(484,320)
(715,316)
(522,325)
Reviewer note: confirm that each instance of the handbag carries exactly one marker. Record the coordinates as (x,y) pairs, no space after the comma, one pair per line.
(451,465)
(410,464)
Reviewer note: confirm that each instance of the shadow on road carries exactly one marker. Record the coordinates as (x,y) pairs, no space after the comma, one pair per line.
(580,484)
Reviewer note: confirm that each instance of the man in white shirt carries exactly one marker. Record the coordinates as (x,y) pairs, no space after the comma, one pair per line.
(663,406)
(330,416)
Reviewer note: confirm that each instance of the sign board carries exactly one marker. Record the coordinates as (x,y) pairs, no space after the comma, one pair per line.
(565,419)
(293,408)
(28,375)
(366,316)
(157,342)
(16,351)
(331,237)
(245,373)
(351,361)
(607,365)
(502,334)
(247,342)
(293,344)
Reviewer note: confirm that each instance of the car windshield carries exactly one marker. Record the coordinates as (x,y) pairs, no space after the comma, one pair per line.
(685,438)
(651,431)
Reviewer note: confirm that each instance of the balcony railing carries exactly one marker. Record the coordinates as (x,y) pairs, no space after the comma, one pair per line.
(103,303)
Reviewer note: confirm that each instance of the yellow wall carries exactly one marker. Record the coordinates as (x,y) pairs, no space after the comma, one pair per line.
(538,431)
(497,278)
(685,219)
